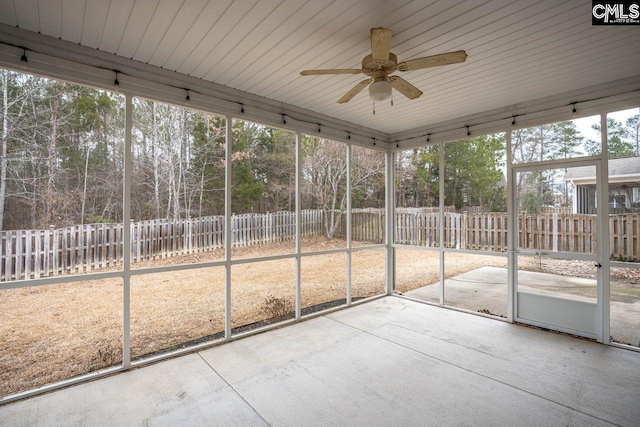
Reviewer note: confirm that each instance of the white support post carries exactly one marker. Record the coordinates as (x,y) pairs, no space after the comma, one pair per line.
(126,235)
(390,209)
(441,217)
(604,248)
(512,236)
(227,226)
(348,224)
(298,279)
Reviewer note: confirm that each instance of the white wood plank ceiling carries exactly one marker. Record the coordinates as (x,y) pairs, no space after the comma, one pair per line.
(518,50)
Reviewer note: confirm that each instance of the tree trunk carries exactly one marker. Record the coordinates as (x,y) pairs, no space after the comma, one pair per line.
(156,161)
(50,196)
(5,142)
(182,184)
(201,189)
(84,187)
(332,225)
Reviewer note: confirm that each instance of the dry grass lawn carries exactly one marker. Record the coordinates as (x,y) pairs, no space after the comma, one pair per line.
(54,332)
(50,333)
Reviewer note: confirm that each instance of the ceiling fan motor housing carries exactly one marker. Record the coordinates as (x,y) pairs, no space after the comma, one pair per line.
(369,66)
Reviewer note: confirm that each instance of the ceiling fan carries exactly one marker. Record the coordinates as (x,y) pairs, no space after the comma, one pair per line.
(382,62)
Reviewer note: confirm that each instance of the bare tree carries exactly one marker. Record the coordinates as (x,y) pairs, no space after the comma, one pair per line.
(324,171)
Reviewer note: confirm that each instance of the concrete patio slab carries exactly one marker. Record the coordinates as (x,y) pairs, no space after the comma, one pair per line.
(178,392)
(575,373)
(485,288)
(387,362)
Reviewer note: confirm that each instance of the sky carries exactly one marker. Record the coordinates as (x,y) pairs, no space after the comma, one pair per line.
(584,124)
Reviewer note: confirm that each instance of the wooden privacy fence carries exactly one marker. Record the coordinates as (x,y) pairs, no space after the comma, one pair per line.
(565,232)
(558,232)
(367,225)
(76,249)
(624,237)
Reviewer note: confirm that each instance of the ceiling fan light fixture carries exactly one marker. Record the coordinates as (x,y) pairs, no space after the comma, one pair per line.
(380,90)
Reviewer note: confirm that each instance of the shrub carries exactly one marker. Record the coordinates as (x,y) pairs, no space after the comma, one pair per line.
(276,308)
(108,355)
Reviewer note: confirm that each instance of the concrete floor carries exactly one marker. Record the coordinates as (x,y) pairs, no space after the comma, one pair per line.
(388,362)
(486,288)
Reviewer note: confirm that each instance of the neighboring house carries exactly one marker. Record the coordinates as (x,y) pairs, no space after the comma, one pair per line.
(624,186)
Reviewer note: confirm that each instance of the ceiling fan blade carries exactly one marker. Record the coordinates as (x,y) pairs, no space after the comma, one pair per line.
(380,44)
(354,91)
(433,61)
(404,87)
(336,71)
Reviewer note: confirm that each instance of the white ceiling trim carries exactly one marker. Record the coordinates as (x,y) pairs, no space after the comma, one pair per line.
(519,50)
(67,61)
(589,101)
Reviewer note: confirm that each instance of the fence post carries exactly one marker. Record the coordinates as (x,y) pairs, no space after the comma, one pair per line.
(18,256)
(555,232)
(56,251)
(38,253)
(524,237)
(464,230)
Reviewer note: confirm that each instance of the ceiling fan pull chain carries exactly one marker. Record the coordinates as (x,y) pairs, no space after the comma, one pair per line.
(374,107)
(392,98)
